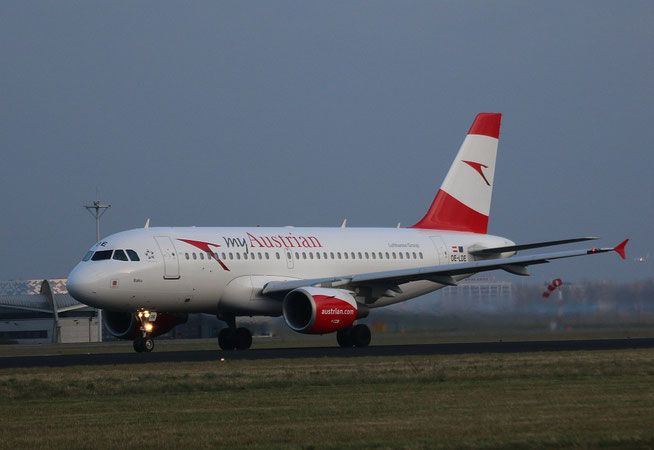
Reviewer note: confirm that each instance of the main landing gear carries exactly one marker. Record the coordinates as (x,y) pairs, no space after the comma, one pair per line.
(356,336)
(234,338)
(145,343)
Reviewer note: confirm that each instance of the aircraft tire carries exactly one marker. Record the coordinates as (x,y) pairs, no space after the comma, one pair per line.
(226,338)
(344,338)
(148,344)
(138,345)
(242,339)
(360,335)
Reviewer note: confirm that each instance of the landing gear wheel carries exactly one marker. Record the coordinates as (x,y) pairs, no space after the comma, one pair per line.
(242,339)
(148,344)
(138,345)
(344,338)
(142,344)
(226,338)
(360,335)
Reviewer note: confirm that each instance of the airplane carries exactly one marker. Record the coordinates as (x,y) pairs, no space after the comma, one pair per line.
(321,280)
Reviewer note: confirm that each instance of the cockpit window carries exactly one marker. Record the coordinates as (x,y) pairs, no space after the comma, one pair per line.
(120,255)
(102,255)
(87,256)
(133,256)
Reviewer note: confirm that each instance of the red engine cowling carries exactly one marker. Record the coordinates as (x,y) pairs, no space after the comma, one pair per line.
(124,325)
(320,310)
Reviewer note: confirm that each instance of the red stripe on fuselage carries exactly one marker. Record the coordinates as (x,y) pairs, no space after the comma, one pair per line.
(204,246)
(447,213)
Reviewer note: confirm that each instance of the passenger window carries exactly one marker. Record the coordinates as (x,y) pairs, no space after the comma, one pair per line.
(401,255)
(317,255)
(324,254)
(373,255)
(224,256)
(420,254)
(408,256)
(120,255)
(202,256)
(310,255)
(331,255)
(187,256)
(387,255)
(238,256)
(102,255)
(231,255)
(194,255)
(394,256)
(345,255)
(260,257)
(338,254)
(267,255)
(414,255)
(245,256)
(359,254)
(297,255)
(366,255)
(87,256)
(304,255)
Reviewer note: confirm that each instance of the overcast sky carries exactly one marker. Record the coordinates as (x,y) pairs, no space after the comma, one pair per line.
(304,113)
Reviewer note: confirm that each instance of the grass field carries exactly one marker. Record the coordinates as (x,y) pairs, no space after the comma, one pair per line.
(567,399)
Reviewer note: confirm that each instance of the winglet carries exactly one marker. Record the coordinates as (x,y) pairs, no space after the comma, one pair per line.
(620,249)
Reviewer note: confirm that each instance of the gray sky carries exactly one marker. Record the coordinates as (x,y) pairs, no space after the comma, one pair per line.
(303,113)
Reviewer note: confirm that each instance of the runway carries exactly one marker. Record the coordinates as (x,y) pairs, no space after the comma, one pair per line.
(322,352)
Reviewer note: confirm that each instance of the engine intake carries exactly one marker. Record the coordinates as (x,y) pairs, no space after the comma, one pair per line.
(321,310)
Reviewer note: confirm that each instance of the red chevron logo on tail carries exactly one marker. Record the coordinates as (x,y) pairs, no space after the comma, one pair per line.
(477,166)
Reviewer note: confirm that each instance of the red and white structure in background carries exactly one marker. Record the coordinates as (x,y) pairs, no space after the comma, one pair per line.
(555,286)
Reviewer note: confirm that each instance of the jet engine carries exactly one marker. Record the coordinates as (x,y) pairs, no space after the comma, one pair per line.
(321,310)
(124,325)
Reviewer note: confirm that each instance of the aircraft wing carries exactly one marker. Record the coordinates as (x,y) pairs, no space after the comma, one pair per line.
(438,274)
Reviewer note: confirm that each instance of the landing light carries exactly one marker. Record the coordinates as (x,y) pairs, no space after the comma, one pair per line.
(148,326)
(146,314)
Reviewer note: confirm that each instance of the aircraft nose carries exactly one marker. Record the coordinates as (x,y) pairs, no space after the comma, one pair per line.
(82,285)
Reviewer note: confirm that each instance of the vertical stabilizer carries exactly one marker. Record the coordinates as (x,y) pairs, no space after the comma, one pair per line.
(464,199)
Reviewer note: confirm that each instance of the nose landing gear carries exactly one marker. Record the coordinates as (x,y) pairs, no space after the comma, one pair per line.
(145,343)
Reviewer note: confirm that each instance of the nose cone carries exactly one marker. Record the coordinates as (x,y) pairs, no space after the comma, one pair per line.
(82,284)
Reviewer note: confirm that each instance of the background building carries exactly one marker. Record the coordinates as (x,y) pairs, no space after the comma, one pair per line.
(40,311)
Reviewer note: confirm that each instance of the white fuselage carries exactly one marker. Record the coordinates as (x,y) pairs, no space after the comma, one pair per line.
(176,273)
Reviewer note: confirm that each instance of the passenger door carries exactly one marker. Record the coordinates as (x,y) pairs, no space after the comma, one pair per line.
(171,261)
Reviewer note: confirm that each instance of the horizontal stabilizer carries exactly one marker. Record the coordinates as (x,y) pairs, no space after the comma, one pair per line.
(515,248)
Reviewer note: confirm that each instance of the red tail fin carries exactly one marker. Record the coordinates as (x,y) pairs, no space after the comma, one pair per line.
(463,201)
